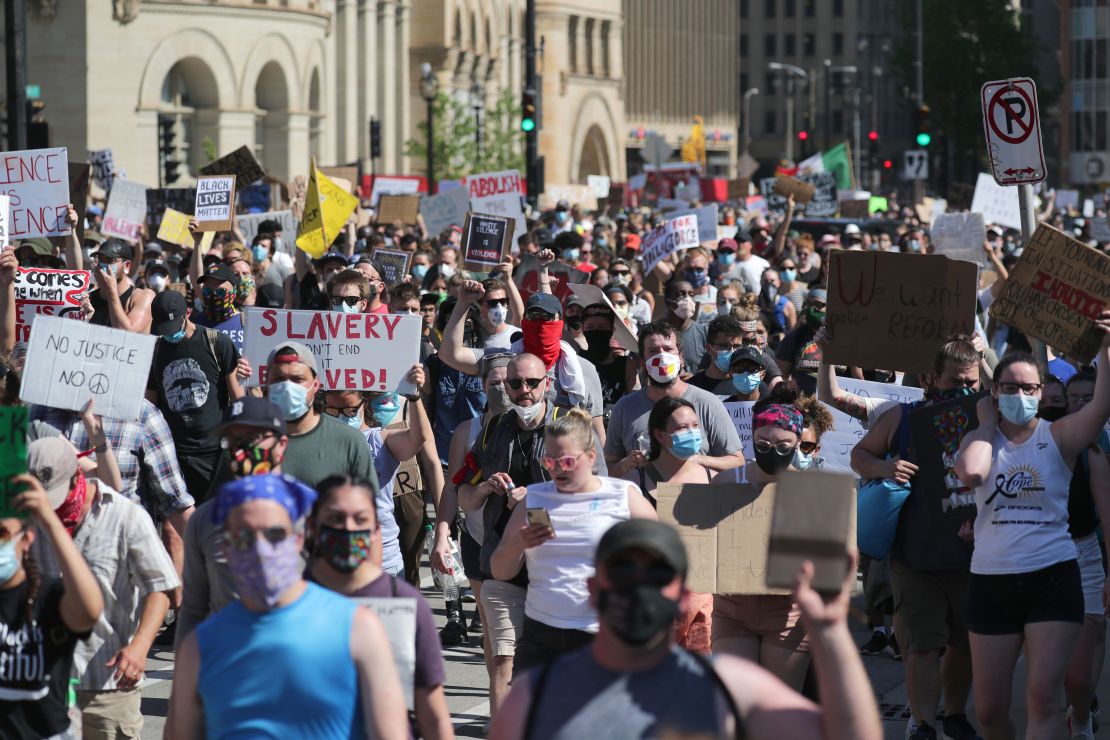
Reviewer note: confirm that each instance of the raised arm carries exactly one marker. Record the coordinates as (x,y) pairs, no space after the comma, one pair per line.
(516,303)
(107,467)
(451,348)
(1076,431)
(9,268)
(75,259)
(779,239)
(406,443)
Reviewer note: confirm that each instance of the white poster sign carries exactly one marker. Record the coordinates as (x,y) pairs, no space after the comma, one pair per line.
(392,186)
(707,222)
(69,362)
(398,616)
(998,204)
(599,184)
(741,414)
(41,292)
(443,210)
(354,351)
(5,220)
(675,234)
(837,444)
(248,226)
(959,236)
(498,193)
(37,181)
(126,211)
(1066,199)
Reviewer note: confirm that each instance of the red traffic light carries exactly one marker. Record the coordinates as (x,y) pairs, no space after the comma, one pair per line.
(887,164)
(803,135)
(873,135)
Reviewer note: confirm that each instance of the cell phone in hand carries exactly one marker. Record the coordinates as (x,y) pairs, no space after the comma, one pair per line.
(539,516)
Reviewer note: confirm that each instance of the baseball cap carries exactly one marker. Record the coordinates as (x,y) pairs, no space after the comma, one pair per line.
(819,294)
(40,245)
(93,237)
(747,354)
(115,249)
(252,411)
(333,257)
(167,313)
(743,235)
(655,537)
(154,247)
(631,241)
(994,230)
(53,460)
(292,352)
(727,243)
(221,273)
(157,267)
(828,239)
(851,229)
(546,302)
(562,206)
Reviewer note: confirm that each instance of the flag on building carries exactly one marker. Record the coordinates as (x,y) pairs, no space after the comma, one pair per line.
(326,210)
(837,160)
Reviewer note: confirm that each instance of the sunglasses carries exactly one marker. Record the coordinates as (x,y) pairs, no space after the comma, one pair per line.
(350,300)
(620,272)
(783,448)
(565,463)
(349,411)
(807,447)
(243,540)
(532,383)
(622,570)
(491,302)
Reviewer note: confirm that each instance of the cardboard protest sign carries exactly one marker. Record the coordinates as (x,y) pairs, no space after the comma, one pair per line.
(5,220)
(41,292)
(1055,293)
(215,204)
(741,414)
(785,185)
(240,163)
(726,529)
(499,194)
(13,456)
(158,200)
(103,167)
(248,224)
(69,362)
(398,616)
(847,431)
(37,180)
(599,184)
(354,351)
(707,221)
(855,208)
(394,262)
(126,211)
(327,207)
(174,229)
(562,278)
(346,173)
(486,241)
(591,294)
(391,185)
(894,311)
(1066,199)
(444,210)
(997,203)
(668,238)
(1099,229)
(822,204)
(79,194)
(403,208)
(738,189)
(959,236)
(813,519)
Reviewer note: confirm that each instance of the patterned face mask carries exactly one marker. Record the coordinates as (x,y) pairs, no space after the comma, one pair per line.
(344,549)
(265,570)
(219,303)
(243,289)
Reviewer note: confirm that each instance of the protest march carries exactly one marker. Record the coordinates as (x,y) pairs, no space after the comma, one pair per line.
(648,444)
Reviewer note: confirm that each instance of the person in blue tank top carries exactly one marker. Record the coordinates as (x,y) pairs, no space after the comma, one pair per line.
(288,658)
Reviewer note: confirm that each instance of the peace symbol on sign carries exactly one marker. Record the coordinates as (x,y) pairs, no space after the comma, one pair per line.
(98,383)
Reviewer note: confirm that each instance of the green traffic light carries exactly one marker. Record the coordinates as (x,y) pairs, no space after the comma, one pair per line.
(923,139)
(527,124)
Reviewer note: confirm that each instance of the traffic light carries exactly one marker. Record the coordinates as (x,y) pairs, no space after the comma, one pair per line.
(167,150)
(887,164)
(38,130)
(803,135)
(375,138)
(528,110)
(873,135)
(921,116)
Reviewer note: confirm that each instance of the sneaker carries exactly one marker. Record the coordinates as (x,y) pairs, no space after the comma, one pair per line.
(956,727)
(468,596)
(454,632)
(921,731)
(892,646)
(166,637)
(476,623)
(1078,732)
(876,644)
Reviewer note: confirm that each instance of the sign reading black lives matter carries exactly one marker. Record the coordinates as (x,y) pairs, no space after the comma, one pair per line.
(486,241)
(69,362)
(215,204)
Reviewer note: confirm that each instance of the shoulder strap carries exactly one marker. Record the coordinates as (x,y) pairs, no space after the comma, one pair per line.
(212,338)
(537,692)
(707,666)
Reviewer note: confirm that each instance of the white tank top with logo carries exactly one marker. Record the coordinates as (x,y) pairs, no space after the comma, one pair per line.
(1022,520)
(558,569)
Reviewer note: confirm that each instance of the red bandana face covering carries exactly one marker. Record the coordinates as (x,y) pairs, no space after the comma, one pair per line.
(70,510)
(541,338)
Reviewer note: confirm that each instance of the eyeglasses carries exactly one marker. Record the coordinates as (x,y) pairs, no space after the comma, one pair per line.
(350,300)
(565,463)
(538,314)
(622,570)
(807,447)
(615,273)
(244,539)
(728,345)
(783,448)
(532,383)
(1027,389)
(228,443)
(491,302)
(349,411)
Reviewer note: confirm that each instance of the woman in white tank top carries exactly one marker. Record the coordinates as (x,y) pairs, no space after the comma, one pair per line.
(557,532)
(1025,589)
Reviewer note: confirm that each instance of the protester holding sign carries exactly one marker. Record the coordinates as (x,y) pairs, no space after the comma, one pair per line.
(117,302)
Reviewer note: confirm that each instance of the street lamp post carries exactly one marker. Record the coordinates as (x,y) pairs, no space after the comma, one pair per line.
(478,102)
(748,118)
(429,89)
(793,71)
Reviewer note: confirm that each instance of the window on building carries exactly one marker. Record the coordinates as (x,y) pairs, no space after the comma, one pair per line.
(572,43)
(838,121)
(1089,131)
(838,8)
(788,45)
(743,44)
(837,44)
(744,82)
(789,9)
(743,8)
(769,122)
(590,24)
(606,30)
(809,8)
(769,8)
(769,45)
(809,44)
(772,86)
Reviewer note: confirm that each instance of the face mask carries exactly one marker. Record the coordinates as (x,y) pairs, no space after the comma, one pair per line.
(597,344)
(789,275)
(360,244)
(621,311)
(726,259)
(291,398)
(1017,408)
(560,217)
(684,308)
(176,337)
(419,271)
(244,288)
(874,246)
(107,269)
(344,549)
(948,394)
(638,613)
(498,399)
(772,461)
(354,422)
(1052,413)
(622,279)
(498,314)
(722,359)
(447,271)
(278,243)
(571,254)
(384,408)
(814,317)
(344,308)
(745,382)
(266,571)
(260,253)
(697,278)
(9,559)
(801,459)
(219,303)
(915,245)
(70,511)
(601,242)
(527,414)
(664,367)
(686,444)
(541,338)
(771,290)
(157,283)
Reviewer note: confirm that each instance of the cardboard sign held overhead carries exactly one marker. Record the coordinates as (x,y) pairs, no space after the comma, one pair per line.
(959,236)
(1055,293)
(215,204)
(248,225)
(38,182)
(346,173)
(69,362)
(785,185)
(79,194)
(182,200)
(41,292)
(126,211)
(403,208)
(174,229)
(103,165)
(395,264)
(855,208)
(894,311)
(5,221)
(240,163)
(498,194)
(813,519)
(444,210)
(726,529)
(13,457)
(591,294)
(486,241)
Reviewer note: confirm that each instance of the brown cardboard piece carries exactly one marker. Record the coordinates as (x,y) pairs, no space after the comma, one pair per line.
(785,185)
(346,176)
(726,529)
(813,519)
(1055,292)
(79,193)
(738,188)
(591,294)
(855,209)
(894,311)
(403,208)
(240,163)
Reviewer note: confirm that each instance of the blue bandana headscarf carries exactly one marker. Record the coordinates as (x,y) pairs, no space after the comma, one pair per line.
(294,496)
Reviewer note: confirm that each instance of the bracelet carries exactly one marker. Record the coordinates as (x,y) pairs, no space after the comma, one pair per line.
(412,396)
(101,447)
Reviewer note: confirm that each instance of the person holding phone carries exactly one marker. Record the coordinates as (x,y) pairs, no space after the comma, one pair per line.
(580,506)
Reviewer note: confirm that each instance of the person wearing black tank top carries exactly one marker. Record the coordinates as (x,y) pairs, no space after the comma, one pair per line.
(117,302)
(633,682)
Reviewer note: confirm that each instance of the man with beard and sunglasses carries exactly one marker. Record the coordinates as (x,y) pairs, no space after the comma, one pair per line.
(632,681)
(117,302)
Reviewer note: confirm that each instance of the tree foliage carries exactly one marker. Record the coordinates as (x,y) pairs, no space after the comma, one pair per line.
(454,128)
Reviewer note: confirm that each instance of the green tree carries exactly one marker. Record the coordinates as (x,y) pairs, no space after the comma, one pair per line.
(453,140)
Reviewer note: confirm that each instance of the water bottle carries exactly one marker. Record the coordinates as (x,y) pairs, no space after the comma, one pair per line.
(74,712)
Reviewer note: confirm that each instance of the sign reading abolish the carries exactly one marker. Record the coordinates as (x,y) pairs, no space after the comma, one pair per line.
(69,362)
(894,311)
(498,193)
(354,352)
(40,292)
(1055,293)
(13,456)
(38,182)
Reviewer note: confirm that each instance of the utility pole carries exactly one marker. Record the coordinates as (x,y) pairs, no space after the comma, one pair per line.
(531,138)
(918,55)
(15,44)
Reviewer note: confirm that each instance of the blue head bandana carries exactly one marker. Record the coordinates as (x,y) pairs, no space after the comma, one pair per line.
(294,496)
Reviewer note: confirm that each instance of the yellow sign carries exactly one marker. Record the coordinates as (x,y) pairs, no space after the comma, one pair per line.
(206,242)
(175,228)
(327,207)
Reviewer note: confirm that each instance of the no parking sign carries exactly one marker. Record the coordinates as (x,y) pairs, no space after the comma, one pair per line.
(1011,123)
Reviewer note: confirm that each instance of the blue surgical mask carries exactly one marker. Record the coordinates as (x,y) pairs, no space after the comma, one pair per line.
(291,398)
(802,461)
(419,271)
(385,408)
(789,275)
(745,382)
(601,242)
(721,359)
(561,217)
(344,308)
(354,422)
(176,337)
(915,245)
(9,559)
(726,259)
(260,252)
(686,444)
(570,254)
(1018,408)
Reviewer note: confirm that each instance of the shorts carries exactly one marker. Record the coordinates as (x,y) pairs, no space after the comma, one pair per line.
(930,607)
(107,715)
(471,553)
(1091,574)
(768,617)
(542,643)
(504,619)
(1003,604)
